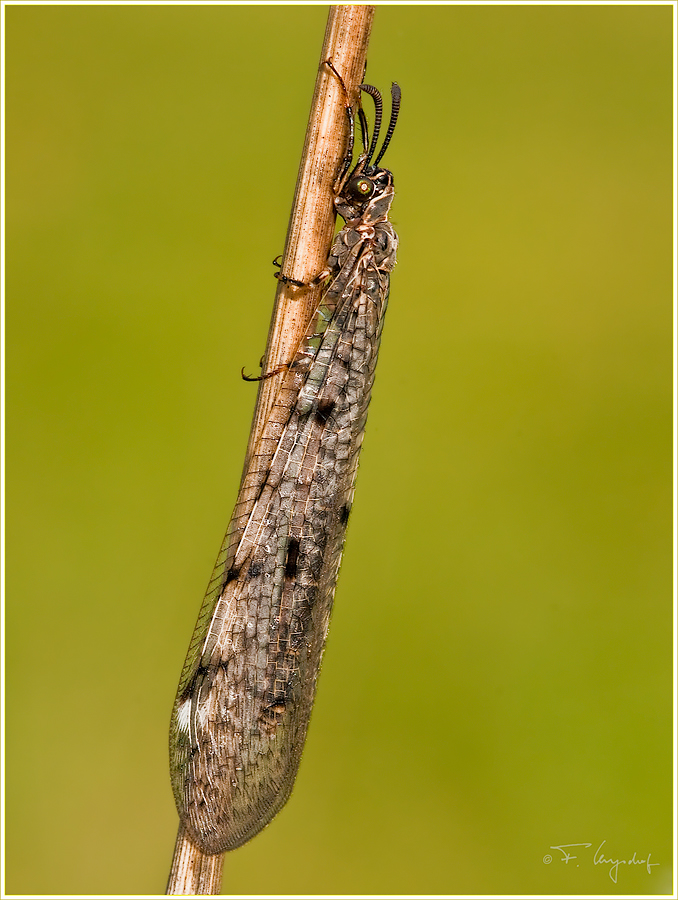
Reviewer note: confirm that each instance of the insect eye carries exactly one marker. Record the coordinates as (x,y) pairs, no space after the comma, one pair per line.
(361,188)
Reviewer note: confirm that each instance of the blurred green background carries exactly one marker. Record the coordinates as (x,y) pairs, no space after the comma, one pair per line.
(498,672)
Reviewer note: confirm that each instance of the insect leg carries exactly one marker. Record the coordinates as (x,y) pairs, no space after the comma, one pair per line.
(348,158)
(266,375)
(284,279)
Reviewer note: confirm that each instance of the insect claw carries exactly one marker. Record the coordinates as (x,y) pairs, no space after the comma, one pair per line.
(330,65)
(284,279)
(266,375)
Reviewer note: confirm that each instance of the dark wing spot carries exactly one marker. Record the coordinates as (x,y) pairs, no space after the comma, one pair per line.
(254,570)
(344,513)
(231,575)
(197,679)
(324,410)
(292,557)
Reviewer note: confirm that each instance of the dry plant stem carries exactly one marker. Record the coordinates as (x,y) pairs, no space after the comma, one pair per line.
(311,227)
(307,246)
(193,872)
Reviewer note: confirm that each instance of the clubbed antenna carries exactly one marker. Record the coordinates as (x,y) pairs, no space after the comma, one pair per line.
(378,109)
(395,109)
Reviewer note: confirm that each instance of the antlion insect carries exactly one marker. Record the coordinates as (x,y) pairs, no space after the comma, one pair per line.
(246,691)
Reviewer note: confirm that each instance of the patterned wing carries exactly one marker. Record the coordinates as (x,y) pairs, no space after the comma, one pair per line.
(243,707)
